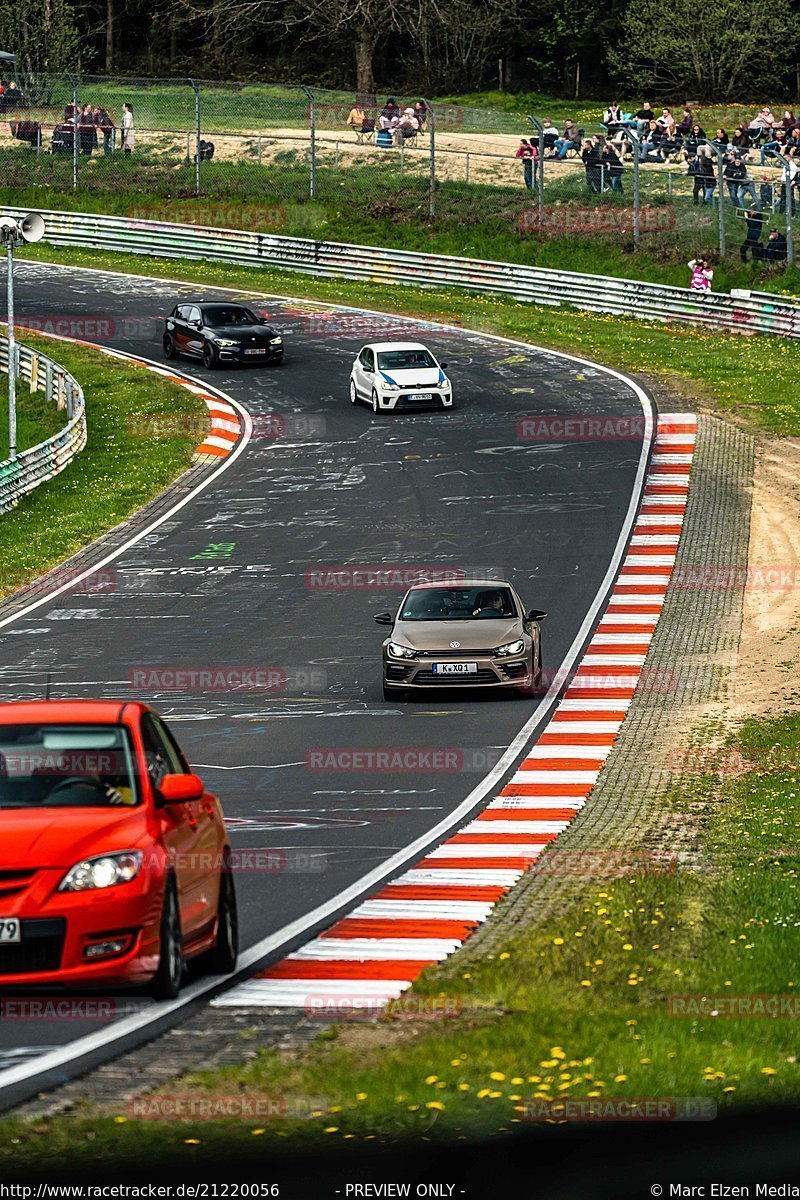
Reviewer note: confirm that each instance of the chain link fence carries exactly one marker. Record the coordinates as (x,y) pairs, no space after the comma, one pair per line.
(291,159)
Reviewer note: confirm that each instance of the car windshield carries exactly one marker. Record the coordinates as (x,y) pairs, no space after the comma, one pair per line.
(405,360)
(66,766)
(219,316)
(458,604)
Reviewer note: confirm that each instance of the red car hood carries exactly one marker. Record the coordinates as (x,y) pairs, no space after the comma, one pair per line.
(60,837)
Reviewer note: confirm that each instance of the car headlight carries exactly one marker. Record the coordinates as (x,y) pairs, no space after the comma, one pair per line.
(401,651)
(276,341)
(444,384)
(511,647)
(226,341)
(107,870)
(387,387)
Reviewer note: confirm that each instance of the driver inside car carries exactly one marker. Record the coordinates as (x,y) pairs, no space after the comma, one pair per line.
(490,603)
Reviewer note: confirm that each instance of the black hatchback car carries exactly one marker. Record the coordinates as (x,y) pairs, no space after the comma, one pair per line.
(221,333)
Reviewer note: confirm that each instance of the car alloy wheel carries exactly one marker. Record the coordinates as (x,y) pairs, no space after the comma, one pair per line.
(353,392)
(169,347)
(375,408)
(166,983)
(209,356)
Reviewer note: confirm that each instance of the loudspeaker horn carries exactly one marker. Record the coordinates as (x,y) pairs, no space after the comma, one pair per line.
(32,227)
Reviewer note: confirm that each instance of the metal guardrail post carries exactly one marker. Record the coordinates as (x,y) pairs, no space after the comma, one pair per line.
(633,138)
(432,184)
(197,137)
(313,126)
(74,83)
(787,191)
(12,354)
(540,185)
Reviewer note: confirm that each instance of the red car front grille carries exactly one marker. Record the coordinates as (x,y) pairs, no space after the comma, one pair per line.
(13,882)
(40,950)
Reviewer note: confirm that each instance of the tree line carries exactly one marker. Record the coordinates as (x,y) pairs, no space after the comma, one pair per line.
(700,49)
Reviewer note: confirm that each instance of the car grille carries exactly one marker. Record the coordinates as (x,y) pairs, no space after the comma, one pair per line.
(482,675)
(460,653)
(412,401)
(40,949)
(12,882)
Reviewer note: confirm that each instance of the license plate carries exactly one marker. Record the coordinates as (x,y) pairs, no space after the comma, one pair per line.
(423,395)
(455,668)
(261,351)
(10,930)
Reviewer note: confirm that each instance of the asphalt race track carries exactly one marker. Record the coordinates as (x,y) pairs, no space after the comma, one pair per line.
(234,581)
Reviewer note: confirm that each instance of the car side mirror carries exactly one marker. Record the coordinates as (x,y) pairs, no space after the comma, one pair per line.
(384,619)
(536,614)
(179,789)
(367,370)
(443,366)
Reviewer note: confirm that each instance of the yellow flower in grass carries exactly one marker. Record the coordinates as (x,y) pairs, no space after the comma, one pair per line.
(437,1104)
(498,1075)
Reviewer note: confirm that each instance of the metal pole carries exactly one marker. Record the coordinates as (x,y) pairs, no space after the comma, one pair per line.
(466,168)
(634,141)
(535,121)
(720,185)
(12,353)
(787,186)
(259,150)
(74,83)
(432,189)
(402,149)
(312,118)
(196,91)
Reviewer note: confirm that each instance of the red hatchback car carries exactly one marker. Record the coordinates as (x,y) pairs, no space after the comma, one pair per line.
(114,860)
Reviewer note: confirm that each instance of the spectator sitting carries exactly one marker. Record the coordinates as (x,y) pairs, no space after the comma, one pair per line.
(390,115)
(761,125)
(650,146)
(793,145)
(720,140)
(787,124)
(671,143)
(695,138)
(13,97)
(421,113)
(741,138)
(356,117)
(755,223)
(686,123)
(666,119)
(612,118)
(778,144)
(569,138)
(613,164)
(549,136)
(644,116)
(408,125)
(775,249)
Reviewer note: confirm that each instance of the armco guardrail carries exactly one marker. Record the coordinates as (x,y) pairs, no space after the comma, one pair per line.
(34,466)
(746,312)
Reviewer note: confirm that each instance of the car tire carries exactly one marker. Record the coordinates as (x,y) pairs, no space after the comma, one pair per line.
(209,357)
(169,347)
(375,407)
(166,983)
(353,392)
(221,958)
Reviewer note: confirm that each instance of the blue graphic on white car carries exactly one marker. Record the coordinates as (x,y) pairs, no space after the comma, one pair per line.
(399,375)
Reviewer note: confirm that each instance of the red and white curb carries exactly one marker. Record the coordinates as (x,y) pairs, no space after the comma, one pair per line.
(375,953)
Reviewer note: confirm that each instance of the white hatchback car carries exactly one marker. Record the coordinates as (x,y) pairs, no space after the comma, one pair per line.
(395,375)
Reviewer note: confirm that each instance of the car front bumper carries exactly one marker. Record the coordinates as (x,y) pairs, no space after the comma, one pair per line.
(238,354)
(419,399)
(490,671)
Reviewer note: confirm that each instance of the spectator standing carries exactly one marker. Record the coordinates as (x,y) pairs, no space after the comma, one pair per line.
(702,275)
(613,166)
(128,130)
(733,173)
(693,169)
(107,128)
(87,133)
(591,161)
(530,162)
(707,173)
(421,113)
(755,223)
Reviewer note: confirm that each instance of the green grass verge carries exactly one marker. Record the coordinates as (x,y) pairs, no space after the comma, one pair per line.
(118,472)
(583,1006)
(753,380)
(376,205)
